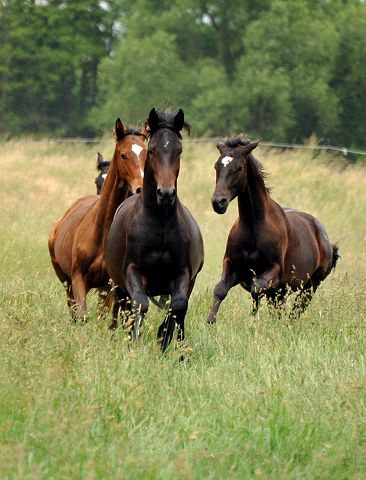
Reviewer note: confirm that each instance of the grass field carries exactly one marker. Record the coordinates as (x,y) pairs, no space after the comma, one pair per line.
(261,398)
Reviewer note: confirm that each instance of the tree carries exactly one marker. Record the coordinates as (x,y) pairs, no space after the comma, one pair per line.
(51,52)
(139,76)
(349,76)
(285,74)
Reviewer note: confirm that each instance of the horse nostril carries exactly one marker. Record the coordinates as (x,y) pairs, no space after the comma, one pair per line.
(220,204)
(138,190)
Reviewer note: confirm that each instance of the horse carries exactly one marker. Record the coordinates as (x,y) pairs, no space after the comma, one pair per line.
(270,251)
(154,246)
(77,241)
(103,167)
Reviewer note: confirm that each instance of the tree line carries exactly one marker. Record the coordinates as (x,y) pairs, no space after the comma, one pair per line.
(275,69)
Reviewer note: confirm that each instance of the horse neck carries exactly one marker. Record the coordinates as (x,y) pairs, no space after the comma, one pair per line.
(114,192)
(254,199)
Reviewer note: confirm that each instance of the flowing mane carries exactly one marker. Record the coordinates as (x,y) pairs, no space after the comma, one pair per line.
(165,120)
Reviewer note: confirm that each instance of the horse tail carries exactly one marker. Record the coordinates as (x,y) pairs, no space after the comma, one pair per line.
(335,255)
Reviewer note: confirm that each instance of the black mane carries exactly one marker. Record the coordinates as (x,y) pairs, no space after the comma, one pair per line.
(241,141)
(165,120)
(238,140)
(134,131)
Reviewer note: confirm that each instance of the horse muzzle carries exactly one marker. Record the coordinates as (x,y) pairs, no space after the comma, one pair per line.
(166,196)
(220,204)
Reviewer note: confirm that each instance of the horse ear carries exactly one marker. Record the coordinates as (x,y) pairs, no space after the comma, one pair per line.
(119,129)
(100,159)
(220,147)
(179,121)
(246,149)
(153,121)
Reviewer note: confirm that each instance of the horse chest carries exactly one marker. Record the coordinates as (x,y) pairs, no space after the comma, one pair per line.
(247,261)
(163,253)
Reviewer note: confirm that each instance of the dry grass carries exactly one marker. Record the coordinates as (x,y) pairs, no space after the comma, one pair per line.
(257,398)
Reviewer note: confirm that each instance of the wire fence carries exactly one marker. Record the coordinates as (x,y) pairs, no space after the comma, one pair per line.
(344,151)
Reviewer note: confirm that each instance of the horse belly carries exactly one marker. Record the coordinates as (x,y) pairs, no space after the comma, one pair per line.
(302,259)
(65,232)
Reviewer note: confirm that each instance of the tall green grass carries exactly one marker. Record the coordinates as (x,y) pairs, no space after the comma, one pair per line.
(263,397)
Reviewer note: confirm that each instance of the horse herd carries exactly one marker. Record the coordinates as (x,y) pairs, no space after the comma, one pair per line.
(136,240)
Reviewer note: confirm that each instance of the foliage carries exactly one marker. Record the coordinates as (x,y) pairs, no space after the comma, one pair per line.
(50,51)
(139,68)
(275,69)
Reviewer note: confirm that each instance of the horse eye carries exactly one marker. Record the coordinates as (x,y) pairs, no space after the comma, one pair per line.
(123,156)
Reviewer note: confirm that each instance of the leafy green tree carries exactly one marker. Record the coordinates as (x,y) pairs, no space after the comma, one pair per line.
(349,78)
(51,51)
(212,108)
(141,75)
(284,76)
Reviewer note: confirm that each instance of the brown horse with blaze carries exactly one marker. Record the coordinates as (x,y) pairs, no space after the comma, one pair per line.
(270,250)
(77,240)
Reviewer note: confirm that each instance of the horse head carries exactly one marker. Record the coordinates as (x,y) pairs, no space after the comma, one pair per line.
(102,167)
(130,156)
(164,150)
(231,171)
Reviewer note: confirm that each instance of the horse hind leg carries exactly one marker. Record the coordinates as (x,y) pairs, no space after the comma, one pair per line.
(302,301)
(70,300)
(306,293)
(121,307)
(80,290)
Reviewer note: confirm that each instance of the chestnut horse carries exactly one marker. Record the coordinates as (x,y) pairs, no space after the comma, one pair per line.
(154,246)
(103,167)
(270,250)
(77,241)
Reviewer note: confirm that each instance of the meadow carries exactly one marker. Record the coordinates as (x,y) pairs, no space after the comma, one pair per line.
(256,398)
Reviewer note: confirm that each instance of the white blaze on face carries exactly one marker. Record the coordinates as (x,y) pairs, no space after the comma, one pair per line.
(226,160)
(136,149)
(166,143)
(142,173)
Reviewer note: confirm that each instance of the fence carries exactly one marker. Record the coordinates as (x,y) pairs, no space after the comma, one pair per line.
(345,152)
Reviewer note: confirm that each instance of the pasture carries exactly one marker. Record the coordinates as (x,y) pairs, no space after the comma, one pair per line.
(263,397)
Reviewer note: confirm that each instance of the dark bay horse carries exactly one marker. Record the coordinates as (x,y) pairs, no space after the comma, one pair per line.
(154,246)
(77,240)
(102,167)
(270,250)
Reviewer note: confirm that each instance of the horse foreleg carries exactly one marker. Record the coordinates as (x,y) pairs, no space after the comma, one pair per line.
(228,280)
(140,302)
(177,312)
(105,299)
(268,280)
